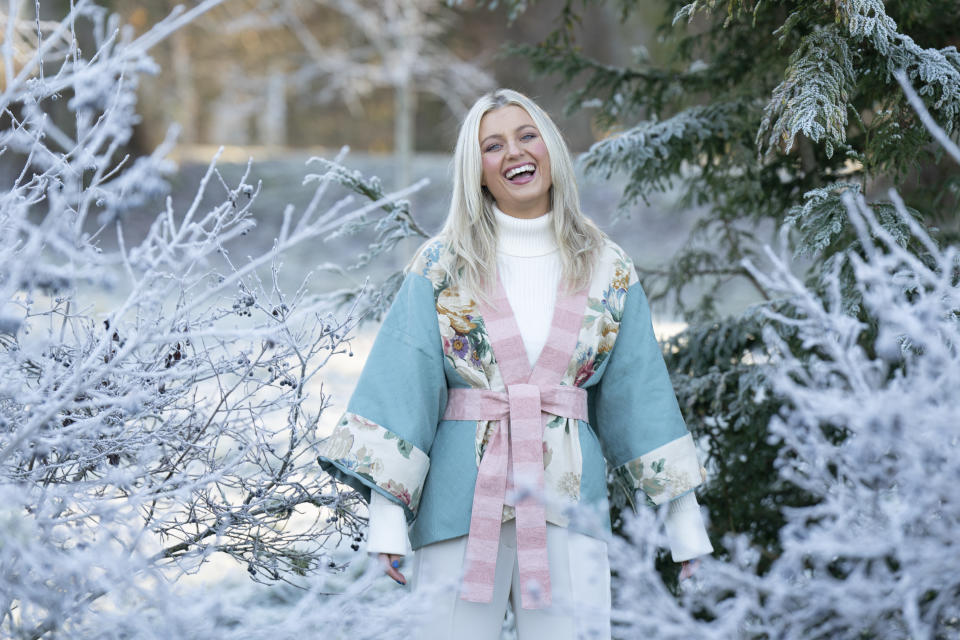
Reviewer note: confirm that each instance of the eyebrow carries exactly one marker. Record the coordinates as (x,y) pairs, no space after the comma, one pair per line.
(497,135)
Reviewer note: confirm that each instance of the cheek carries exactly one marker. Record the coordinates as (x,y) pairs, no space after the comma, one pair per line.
(539,151)
(491,168)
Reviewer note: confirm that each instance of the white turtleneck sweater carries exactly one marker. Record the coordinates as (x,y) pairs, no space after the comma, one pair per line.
(528,260)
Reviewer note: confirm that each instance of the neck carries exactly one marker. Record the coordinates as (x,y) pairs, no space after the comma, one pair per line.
(525,237)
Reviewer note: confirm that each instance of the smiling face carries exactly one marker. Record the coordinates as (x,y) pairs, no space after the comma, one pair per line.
(516,165)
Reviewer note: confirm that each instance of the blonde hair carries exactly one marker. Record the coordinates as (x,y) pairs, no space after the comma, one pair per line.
(470,230)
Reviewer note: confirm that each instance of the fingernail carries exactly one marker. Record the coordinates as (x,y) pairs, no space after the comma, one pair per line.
(395,564)
(402,584)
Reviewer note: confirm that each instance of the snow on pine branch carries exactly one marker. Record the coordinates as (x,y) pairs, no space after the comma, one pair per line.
(824,228)
(159,397)
(813,97)
(936,130)
(937,71)
(652,152)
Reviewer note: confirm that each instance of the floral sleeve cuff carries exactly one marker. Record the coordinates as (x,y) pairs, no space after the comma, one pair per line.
(369,457)
(666,472)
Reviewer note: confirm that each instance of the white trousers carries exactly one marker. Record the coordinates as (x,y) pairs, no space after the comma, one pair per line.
(580,586)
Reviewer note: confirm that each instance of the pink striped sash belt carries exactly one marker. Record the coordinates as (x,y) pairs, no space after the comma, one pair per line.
(523,409)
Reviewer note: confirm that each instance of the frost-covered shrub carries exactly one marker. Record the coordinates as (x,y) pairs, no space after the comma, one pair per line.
(874,435)
(159,396)
(870,430)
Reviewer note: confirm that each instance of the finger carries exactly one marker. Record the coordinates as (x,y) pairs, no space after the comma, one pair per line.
(391,563)
(688,569)
(694,566)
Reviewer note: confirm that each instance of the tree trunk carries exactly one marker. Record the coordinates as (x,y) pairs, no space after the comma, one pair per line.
(273,118)
(405,110)
(185,109)
(230,112)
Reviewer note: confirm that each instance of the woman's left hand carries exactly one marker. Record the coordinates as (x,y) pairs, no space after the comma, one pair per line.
(688,568)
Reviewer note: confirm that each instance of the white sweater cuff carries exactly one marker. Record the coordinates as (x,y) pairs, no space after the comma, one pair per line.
(685,529)
(387,532)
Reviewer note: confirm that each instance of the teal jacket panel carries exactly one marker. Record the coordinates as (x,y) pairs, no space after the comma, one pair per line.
(382,441)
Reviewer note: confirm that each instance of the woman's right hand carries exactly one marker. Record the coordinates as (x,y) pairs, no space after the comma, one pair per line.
(688,568)
(391,564)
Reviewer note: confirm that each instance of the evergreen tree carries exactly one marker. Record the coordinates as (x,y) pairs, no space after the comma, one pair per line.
(769,115)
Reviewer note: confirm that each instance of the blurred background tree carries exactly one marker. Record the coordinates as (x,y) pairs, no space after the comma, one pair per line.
(396,46)
(219,75)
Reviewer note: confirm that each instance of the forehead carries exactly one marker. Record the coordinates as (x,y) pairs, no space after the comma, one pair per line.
(504,121)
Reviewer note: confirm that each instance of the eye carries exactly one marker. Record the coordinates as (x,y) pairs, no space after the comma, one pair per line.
(493,146)
(528,136)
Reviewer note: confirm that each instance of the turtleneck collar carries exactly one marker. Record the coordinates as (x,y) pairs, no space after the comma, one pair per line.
(525,237)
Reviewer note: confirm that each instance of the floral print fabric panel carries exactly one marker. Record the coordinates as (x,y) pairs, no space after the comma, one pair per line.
(601,322)
(375,454)
(562,467)
(664,473)
(466,345)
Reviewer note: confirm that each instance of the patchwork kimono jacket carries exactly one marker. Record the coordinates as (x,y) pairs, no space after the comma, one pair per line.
(402,437)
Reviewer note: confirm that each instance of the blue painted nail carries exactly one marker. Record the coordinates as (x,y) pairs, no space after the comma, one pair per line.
(399,583)
(395,564)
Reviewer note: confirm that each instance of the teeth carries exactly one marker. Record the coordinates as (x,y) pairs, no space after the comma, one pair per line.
(520,169)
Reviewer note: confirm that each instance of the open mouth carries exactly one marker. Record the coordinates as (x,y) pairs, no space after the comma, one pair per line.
(521,174)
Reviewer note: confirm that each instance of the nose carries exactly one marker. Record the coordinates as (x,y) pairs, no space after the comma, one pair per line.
(513,148)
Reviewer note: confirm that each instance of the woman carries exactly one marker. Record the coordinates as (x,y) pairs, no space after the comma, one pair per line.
(516,362)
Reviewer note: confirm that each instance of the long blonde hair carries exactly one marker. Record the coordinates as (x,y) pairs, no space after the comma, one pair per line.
(470,231)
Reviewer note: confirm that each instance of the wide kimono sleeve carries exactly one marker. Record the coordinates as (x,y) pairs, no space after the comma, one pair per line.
(638,421)
(382,441)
